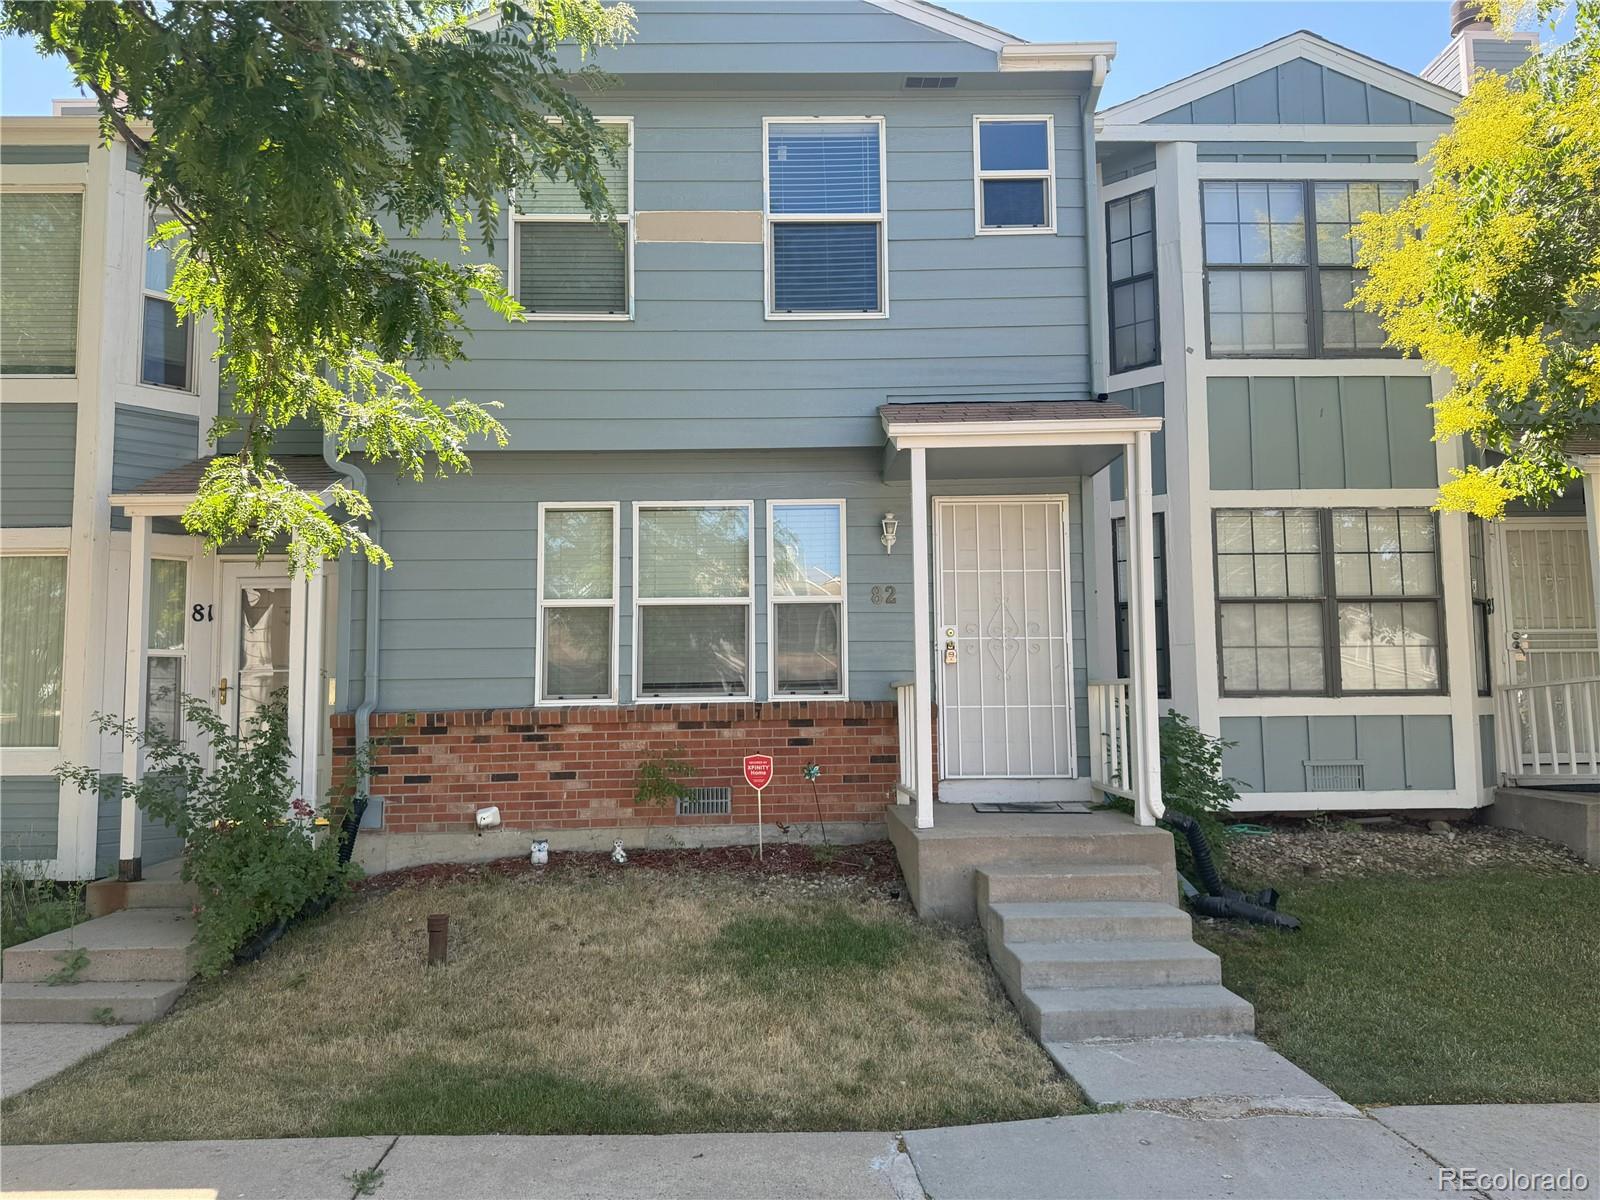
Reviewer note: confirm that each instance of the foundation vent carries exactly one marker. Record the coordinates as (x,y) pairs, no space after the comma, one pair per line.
(706,802)
(921,83)
(1334,776)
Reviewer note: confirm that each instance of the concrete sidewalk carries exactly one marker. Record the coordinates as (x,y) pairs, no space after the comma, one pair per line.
(1185,1151)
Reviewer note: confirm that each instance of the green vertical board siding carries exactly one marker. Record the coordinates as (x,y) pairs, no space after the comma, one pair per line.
(1333,739)
(1242,758)
(1380,744)
(1301,92)
(146,443)
(1323,431)
(1147,401)
(37,445)
(18,156)
(1430,758)
(29,808)
(1489,774)
(1285,743)
(1396,752)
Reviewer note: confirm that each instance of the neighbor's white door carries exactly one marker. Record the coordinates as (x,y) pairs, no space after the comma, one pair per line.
(1549,599)
(1003,639)
(258,636)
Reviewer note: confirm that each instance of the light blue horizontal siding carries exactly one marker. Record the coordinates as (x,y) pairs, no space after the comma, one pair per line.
(13,155)
(37,445)
(146,443)
(1397,753)
(29,808)
(458,608)
(701,368)
(158,843)
(1355,431)
(1147,401)
(1301,92)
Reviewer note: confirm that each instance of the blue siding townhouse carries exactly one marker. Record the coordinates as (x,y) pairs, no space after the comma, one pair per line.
(922,426)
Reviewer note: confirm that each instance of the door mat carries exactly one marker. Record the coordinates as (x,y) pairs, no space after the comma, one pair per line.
(1047,806)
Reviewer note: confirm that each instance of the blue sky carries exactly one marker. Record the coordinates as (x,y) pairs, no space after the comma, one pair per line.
(1158,40)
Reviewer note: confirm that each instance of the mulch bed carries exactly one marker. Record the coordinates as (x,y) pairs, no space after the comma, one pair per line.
(1330,848)
(864,863)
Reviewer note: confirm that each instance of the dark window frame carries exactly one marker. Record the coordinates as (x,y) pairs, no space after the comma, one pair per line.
(1328,601)
(1120,605)
(1311,279)
(1131,283)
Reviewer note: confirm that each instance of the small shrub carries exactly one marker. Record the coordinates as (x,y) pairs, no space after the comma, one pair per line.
(660,782)
(1192,782)
(251,846)
(32,905)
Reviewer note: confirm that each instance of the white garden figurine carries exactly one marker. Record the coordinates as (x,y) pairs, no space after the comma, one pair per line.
(540,854)
(618,854)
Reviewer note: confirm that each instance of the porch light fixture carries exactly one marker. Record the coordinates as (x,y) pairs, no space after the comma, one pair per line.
(890,526)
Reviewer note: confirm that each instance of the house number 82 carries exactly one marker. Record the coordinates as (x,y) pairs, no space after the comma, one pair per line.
(883,595)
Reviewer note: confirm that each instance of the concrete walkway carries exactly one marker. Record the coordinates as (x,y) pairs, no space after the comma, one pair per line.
(30,1053)
(1187,1152)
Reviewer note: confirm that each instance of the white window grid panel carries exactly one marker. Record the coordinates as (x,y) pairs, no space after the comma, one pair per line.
(613,603)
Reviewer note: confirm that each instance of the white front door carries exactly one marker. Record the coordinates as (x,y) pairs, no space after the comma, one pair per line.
(1003,639)
(258,635)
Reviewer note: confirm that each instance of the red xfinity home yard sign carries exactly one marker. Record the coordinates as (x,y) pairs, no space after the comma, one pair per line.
(758,770)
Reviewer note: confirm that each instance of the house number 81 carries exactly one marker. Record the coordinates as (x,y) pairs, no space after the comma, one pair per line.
(883,595)
(202,612)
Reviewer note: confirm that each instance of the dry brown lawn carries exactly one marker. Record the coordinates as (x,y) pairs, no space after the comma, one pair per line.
(579,1001)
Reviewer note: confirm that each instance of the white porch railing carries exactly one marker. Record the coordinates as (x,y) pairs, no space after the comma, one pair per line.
(1111,766)
(905,699)
(1550,731)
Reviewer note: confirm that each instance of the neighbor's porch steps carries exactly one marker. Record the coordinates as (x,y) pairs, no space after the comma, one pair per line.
(138,962)
(1101,950)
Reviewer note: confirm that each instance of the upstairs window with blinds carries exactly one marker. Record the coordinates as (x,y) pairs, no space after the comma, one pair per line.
(694,597)
(564,263)
(825,218)
(40,235)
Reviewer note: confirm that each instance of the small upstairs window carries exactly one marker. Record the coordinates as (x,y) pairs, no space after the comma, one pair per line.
(39,249)
(825,218)
(1016,160)
(166,347)
(566,264)
(1131,250)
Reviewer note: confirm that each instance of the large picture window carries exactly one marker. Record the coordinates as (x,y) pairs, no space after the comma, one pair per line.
(1015,177)
(1328,601)
(577,602)
(806,620)
(694,595)
(1279,267)
(40,234)
(1131,251)
(564,263)
(825,218)
(165,349)
(33,608)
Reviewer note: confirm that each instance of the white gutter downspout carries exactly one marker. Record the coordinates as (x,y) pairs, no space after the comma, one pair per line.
(373,818)
(1094,230)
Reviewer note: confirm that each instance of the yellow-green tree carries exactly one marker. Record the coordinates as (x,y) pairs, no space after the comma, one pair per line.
(1492,270)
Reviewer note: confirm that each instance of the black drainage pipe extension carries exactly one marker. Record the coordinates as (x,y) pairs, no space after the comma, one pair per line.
(1223,901)
(1243,910)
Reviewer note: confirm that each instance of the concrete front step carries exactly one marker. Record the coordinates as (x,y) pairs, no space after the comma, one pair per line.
(1184,1010)
(127,1003)
(1085,921)
(134,944)
(1096,881)
(106,896)
(1024,965)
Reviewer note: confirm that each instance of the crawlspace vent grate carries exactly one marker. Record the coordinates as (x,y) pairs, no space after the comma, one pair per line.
(706,802)
(1334,777)
(921,83)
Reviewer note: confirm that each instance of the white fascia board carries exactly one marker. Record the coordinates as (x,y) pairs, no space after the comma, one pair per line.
(1273,54)
(168,504)
(1057,56)
(52,130)
(953,435)
(1117,132)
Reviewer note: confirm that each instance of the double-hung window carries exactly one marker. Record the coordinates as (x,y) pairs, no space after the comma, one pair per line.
(564,262)
(1015,177)
(167,345)
(1482,606)
(33,605)
(694,595)
(1280,267)
(806,592)
(164,646)
(40,235)
(825,218)
(1120,593)
(577,602)
(1131,254)
(1328,601)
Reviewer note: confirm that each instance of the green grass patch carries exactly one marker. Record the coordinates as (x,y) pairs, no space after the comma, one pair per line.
(819,949)
(1477,988)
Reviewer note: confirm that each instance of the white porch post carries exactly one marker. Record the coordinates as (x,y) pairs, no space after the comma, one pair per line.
(1591,509)
(308,598)
(133,686)
(922,632)
(1146,715)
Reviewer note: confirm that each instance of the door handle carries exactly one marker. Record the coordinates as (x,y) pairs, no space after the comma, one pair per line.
(222,690)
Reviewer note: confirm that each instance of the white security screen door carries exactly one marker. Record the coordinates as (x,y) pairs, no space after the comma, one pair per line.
(257,636)
(1002,639)
(1549,598)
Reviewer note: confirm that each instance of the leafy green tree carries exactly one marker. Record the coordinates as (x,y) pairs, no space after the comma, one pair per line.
(1491,270)
(290,141)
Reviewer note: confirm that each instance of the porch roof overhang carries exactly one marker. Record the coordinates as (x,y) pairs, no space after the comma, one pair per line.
(168,494)
(997,439)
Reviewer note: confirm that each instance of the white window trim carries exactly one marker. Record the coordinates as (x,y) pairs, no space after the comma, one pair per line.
(641,602)
(1048,175)
(146,292)
(881,218)
(613,603)
(70,189)
(18,548)
(624,218)
(842,600)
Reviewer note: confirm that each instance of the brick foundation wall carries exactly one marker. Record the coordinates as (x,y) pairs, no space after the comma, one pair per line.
(575,768)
